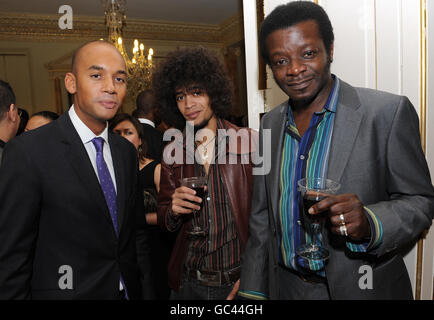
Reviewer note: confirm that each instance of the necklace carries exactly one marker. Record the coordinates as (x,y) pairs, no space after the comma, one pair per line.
(205,154)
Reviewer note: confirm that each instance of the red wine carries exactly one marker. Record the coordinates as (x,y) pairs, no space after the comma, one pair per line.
(309,201)
(200,192)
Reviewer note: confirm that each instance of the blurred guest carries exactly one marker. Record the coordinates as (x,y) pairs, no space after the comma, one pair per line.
(24,117)
(146,114)
(40,118)
(9,115)
(149,181)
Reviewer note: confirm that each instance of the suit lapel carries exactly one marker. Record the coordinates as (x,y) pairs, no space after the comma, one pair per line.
(119,167)
(78,158)
(345,129)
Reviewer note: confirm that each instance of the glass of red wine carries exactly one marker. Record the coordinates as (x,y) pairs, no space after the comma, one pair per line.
(312,191)
(198,184)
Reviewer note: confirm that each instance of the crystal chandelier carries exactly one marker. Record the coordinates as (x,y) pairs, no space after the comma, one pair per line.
(139,67)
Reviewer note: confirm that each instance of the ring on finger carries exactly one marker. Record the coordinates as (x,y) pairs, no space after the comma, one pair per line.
(343,230)
(341,217)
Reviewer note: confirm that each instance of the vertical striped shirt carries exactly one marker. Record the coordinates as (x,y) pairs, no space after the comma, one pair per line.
(302,157)
(220,250)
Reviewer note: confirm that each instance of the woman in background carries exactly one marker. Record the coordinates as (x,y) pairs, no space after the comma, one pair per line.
(149,181)
(149,169)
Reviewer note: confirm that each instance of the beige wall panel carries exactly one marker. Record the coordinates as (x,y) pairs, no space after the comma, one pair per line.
(2,67)
(18,75)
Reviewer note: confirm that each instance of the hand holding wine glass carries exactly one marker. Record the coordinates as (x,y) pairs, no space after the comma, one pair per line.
(184,201)
(312,191)
(344,210)
(188,199)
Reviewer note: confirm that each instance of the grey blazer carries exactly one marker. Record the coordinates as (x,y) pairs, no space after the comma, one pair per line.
(375,154)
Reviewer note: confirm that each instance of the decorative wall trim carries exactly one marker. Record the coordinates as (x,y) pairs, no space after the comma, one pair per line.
(423,102)
(44,27)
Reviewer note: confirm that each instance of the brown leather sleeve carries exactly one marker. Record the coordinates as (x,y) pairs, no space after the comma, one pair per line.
(167,188)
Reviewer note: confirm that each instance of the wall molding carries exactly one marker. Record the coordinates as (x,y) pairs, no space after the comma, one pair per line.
(44,27)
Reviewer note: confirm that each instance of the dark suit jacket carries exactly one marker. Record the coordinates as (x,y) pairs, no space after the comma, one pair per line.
(2,146)
(376,154)
(53,213)
(154,140)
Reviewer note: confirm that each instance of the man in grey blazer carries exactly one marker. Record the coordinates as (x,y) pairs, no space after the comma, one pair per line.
(366,140)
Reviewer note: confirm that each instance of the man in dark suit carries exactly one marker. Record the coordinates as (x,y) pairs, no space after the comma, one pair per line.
(366,140)
(9,115)
(68,197)
(146,114)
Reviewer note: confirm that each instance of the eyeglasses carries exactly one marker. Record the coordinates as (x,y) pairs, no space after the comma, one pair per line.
(20,112)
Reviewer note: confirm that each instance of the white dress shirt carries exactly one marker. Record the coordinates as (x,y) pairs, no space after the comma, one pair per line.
(146,121)
(86,136)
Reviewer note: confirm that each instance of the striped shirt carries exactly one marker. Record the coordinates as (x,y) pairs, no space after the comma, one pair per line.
(302,157)
(220,249)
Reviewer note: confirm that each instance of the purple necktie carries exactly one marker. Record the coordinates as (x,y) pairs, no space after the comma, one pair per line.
(106,182)
(108,188)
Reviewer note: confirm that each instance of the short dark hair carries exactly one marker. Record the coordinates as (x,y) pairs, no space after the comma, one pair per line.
(50,115)
(145,102)
(287,15)
(120,117)
(183,68)
(24,115)
(7,97)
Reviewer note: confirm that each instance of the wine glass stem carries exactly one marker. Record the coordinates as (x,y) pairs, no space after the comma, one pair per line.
(316,232)
(193,220)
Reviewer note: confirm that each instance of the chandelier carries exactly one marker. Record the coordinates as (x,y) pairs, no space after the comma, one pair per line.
(139,67)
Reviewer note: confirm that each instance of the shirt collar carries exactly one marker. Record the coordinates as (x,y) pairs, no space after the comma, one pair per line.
(86,135)
(147,121)
(2,143)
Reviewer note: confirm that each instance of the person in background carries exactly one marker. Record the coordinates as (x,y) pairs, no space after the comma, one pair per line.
(366,140)
(40,118)
(128,127)
(9,115)
(149,181)
(24,117)
(146,114)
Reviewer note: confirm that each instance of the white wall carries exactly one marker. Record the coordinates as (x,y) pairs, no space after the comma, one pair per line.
(428,264)
(255,100)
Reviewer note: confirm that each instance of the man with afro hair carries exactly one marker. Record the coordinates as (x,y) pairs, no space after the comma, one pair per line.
(195,95)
